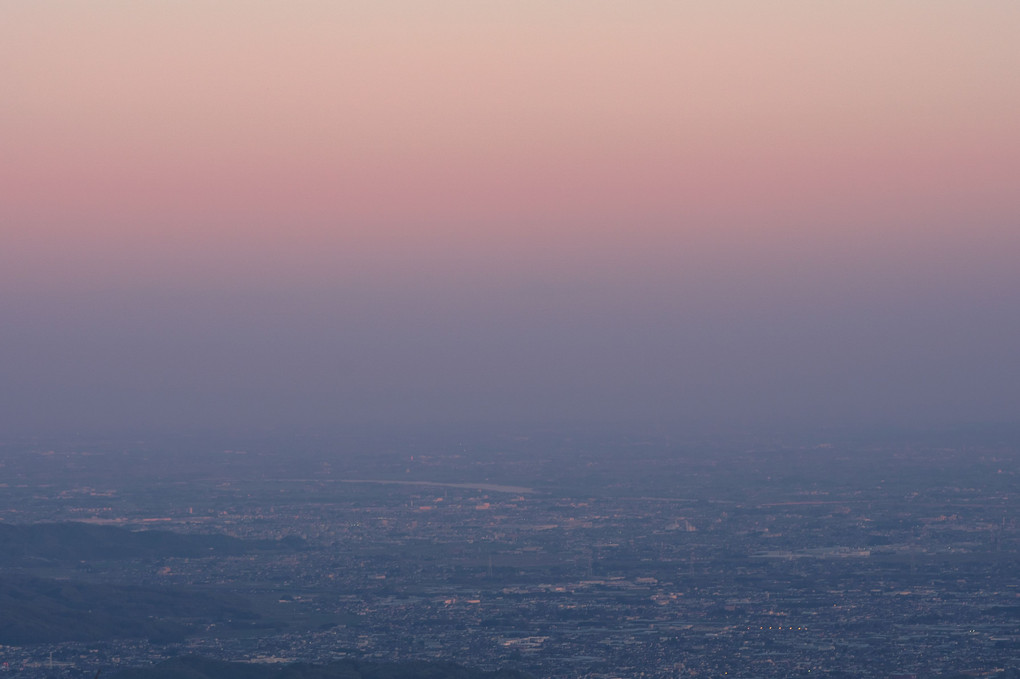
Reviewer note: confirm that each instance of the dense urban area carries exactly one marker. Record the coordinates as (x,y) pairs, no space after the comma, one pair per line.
(589,556)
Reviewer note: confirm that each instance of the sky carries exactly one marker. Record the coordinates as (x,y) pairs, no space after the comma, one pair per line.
(311,215)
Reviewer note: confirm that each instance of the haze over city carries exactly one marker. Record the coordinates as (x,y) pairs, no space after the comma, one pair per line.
(471,339)
(318,214)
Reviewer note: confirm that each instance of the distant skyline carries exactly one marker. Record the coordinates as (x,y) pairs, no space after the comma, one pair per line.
(308,215)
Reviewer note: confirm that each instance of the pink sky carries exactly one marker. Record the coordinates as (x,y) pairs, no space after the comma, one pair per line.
(354,116)
(843,154)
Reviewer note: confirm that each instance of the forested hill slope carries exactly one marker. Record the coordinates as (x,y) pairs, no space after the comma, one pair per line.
(203,668)
(73,542)
(41,610)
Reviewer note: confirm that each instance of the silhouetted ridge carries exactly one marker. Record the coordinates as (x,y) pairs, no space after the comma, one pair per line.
(38,610)
(204,668)
(71,542)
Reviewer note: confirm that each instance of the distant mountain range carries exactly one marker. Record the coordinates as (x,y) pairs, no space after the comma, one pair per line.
(203,668)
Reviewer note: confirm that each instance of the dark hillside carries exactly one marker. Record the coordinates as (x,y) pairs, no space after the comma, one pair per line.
(203,668)
(37,610)
(75,542)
